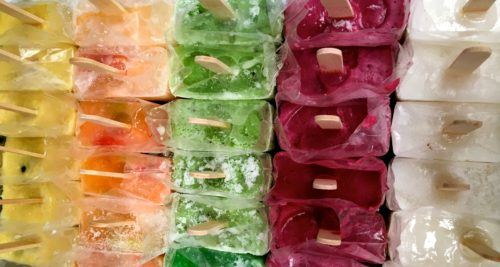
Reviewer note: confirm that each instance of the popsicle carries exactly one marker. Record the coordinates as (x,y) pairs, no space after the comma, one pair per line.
(36,114)
(362,181)
(121,125)
(224,72)
(455,20)
(453,71)
(100,258)
(228,22)
(34,23)
(36,69)
(223,224)
(330,227)
(122,71)
(290,258)
(461,187)
(245,176)
(115,23)
(322,23)
(429,236)
(199,256)
(354,128)
(227,126)
(322,76)
(448,131)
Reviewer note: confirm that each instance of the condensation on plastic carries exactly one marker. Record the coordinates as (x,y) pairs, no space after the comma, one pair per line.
(295,224)
(428,236)
(362,181)
(145,73)
(429,73)
(287,257)
(247,176)
(376,22)
(251,127)
(444,21)
(56,114)
(365,132)
(414,183)
(417,131)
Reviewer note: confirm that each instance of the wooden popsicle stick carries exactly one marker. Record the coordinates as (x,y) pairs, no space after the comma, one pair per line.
(9,57)
(18,109)
(221,9)
(210,123)
(338,9)
(207,228)
(207,175)
(477,6)
(330,60)
(327,237)
(106,174)
(109,6)
(21,201)
(20,245)
(105,121)
(328,122)
(325,184)
(22,152)
(87,63)
(462,127)
(454,187)
(111,223)
(213,64)
(20,13)
(470,59)
(480,247)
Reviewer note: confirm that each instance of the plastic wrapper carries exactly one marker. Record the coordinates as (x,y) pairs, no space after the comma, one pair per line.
(461,187)
(365,129)
(143,72)
(253,71)
(296,224)
(287,257)
(52,114)
(362,181)
(246,176)
(136,137)
(430,79)
(254,22)
(40,69)
(194,257)
(246,228)
(429,236)
(446,21)
(427,130)
(143,23)
(223,126)
(375,22)
(99,258)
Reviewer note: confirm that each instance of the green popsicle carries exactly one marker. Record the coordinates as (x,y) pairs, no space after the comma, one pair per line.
(196,257)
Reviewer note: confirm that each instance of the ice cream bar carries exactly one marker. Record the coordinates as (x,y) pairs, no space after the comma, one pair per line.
(310,77)
(461,187)
(199,256)
(449,131)
(36,69)
(291,258)
(224,72)
(442,82)
(455,20)
(227,22)
(234,176)
(354,128)
(223,224)
(116,124)
(362,181)
(130,71)
(201,125)
(318,23)
(140,23)
(432,236)
(329,226)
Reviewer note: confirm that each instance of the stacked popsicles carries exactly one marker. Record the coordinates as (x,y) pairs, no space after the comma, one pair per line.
(445,179)
(342,62)
(224,61)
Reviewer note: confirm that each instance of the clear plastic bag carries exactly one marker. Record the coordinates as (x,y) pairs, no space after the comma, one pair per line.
(199,256)
(287,257)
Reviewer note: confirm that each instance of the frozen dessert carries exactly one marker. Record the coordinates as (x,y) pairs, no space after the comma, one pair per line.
(199,256)
(290,258)
(99,258)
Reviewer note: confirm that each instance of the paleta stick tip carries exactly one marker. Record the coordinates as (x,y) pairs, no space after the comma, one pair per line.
(209,123)
(213,64)
(207,228)
(327,237)
(105,121)
(20,13)
(470,59)
(207,175)
(338,9)
(22,152)
(462,127)
(475,6)
(90,64)
(109,6)
(328,122)
(325,184)
(20,245)
(330,60)
(219,8)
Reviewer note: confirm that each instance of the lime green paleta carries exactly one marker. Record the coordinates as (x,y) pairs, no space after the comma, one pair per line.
(196,257)
(223,224)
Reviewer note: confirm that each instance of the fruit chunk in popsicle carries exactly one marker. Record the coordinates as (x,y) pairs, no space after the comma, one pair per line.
(242,72)
(199,256)
(222,224)
(236,176)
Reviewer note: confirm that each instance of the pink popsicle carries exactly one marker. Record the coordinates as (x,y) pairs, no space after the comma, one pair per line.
(290,258)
